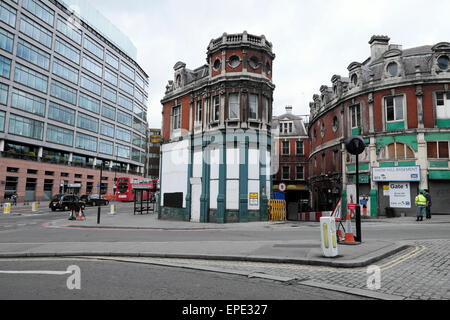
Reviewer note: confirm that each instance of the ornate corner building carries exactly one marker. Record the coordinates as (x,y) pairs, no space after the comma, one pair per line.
(216,134)
(399,101)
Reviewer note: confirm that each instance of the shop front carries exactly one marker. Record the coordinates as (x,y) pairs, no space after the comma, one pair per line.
(397,189)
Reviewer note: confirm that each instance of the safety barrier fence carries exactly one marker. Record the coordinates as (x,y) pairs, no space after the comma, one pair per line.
(277,210)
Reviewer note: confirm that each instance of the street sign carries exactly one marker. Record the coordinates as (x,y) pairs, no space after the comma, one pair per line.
(253,199)
(282,187)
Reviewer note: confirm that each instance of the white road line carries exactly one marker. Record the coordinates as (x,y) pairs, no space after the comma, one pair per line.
(35,272)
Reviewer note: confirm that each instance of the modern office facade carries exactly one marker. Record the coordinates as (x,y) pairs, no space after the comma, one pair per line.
(216,132)
(399,101)
(71,101)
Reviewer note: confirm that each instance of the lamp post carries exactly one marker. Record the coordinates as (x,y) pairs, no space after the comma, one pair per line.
(115,178)
(100,193)
(355,145)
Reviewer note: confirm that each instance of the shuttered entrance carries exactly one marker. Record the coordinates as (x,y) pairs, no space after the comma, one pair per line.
(440,195)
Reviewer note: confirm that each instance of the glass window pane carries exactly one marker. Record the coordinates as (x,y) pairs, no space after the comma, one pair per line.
(443,149)
(432,150)
(234,106)
(40,10)
(398,108)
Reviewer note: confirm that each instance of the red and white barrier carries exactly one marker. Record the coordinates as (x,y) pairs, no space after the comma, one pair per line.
(313,216)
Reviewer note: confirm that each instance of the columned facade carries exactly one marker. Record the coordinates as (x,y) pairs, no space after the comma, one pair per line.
(399,101)
(217,134)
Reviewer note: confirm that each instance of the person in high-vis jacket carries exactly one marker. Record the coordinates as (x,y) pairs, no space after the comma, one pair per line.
(421,203)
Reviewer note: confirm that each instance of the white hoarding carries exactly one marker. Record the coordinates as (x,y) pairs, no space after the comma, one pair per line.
(399,195)
(400,174)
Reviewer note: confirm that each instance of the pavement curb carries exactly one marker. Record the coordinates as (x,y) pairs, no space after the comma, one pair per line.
(139,228)
(338,264)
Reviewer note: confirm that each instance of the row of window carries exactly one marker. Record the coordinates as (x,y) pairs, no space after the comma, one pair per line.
(8,15)
(83,121)
(35,129)
(286,148)
(38,81)
(299,173)
(40,58)
(394,111)
(233,109)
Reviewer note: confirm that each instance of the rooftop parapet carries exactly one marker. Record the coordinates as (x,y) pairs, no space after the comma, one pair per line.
(240,38)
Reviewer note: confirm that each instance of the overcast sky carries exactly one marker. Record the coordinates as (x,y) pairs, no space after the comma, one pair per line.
(312,40)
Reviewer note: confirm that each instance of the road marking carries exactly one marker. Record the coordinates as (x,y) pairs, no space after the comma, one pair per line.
(35,272)
(417,251)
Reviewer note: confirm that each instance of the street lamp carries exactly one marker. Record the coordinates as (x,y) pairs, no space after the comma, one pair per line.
(100,192)
(355,145)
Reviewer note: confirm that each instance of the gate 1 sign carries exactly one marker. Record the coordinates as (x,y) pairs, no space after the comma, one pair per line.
(399,195)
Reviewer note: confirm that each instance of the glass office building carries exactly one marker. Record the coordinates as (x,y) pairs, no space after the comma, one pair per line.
(71,92)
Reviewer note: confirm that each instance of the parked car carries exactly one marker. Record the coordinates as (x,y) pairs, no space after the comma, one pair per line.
(94,200)
(65,202)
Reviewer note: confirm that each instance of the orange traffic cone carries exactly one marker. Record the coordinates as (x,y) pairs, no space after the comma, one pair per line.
(349,238)
(80,217)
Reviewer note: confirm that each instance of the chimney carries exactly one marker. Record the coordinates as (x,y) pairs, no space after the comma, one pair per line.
(289,109)
(378,46)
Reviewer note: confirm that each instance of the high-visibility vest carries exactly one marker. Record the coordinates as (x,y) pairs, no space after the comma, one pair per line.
(421,200)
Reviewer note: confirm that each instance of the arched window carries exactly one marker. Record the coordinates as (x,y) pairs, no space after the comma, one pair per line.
(396,151)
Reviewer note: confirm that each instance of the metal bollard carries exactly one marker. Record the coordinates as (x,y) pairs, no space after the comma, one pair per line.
(113,210)
(34,206)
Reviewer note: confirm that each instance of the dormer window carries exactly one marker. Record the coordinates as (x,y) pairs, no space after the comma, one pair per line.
(178,81)
(443,62)
(354,79)
(286,127)
(392,69)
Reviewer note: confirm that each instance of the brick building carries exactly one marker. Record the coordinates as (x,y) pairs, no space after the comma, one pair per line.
(398,100)
(217,134)
(291,144)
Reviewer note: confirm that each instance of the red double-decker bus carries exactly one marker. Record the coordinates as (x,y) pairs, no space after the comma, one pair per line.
(124,188)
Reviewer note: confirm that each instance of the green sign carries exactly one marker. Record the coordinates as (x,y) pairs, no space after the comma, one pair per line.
(362,179)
